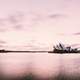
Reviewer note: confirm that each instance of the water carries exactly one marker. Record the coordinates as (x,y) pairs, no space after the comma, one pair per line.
(42,65)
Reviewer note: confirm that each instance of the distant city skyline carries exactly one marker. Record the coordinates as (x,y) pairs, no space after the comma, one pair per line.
(38,23)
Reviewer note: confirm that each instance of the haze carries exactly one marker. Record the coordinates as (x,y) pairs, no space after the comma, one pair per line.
(38,24)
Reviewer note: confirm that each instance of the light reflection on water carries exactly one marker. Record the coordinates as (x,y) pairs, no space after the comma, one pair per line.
(40,64)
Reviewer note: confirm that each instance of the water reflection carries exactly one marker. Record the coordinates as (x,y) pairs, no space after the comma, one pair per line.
(25,66)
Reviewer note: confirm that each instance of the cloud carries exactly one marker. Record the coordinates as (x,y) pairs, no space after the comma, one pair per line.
(21,21)
(65,34)
(3,26)
(15,20)
(2,42)
(78,33)
(56,16)
(18,27)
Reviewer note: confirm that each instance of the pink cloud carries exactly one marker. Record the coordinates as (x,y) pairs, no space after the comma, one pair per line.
(2,42)
(78,33)
(56,16)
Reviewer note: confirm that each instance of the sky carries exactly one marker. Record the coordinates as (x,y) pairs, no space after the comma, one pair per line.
(38,24)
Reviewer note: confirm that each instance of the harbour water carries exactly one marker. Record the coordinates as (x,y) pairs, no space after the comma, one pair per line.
(41,65)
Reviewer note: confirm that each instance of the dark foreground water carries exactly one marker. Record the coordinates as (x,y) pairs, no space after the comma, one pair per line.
(39,66)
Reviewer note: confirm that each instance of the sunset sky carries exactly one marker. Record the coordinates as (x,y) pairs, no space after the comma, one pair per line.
(38,24)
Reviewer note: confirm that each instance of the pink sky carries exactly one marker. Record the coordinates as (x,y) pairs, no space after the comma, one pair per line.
(39,23)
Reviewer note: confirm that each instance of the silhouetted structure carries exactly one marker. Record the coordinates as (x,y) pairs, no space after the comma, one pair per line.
(62,49)
(2,51)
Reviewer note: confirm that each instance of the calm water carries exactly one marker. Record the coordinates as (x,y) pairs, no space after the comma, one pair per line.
(40,64)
